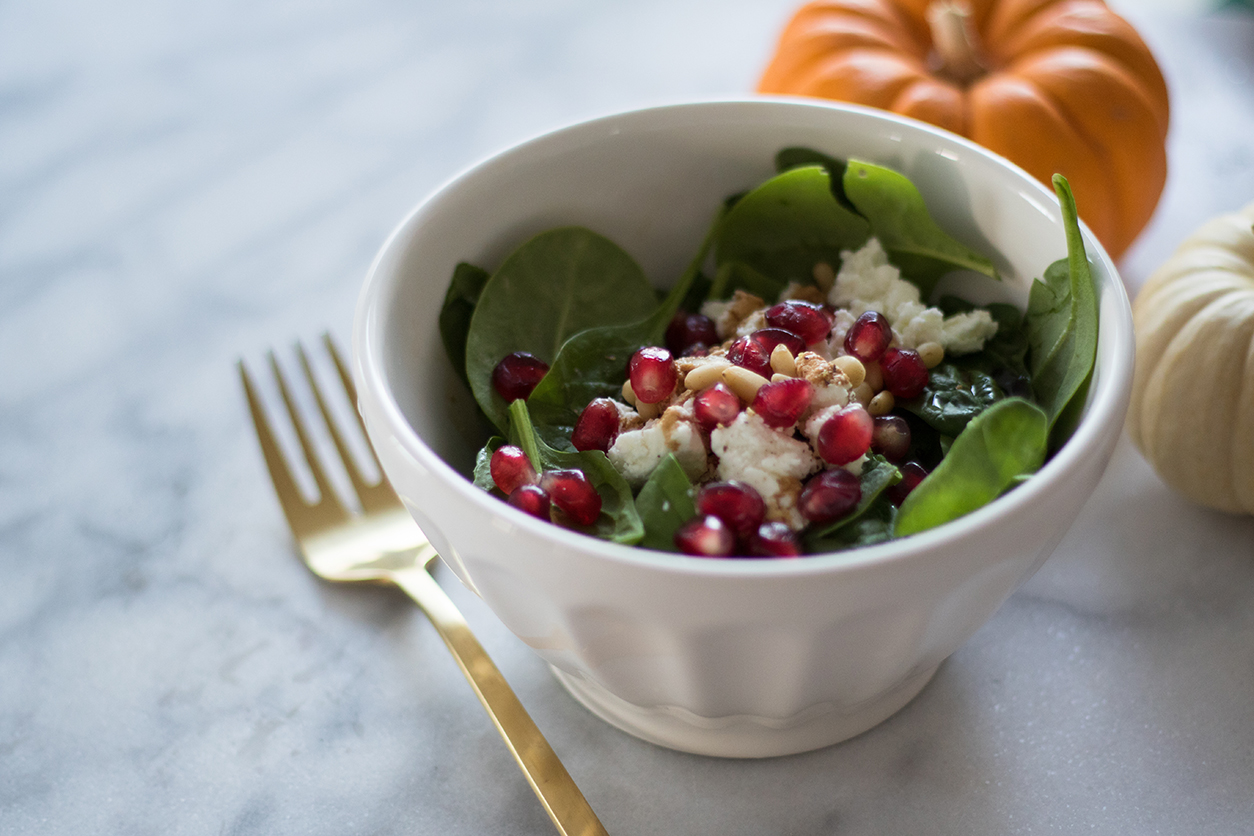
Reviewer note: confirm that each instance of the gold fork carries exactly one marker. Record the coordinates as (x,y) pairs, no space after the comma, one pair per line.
(382,543)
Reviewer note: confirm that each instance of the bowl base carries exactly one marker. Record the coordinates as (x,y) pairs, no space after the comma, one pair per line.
(741,736)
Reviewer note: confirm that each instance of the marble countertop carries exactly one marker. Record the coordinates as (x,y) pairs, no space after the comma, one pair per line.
(185,184)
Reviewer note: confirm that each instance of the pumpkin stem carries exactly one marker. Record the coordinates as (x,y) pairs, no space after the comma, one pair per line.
(953,35)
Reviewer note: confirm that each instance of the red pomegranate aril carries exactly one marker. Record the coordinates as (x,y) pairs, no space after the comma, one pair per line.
(768,338)
(510,468)
(780,403)
(517,375)
(705,536)
(738,505)
(891,437)
(653,374)
(912,473)
(805,319)
(904,373)
(774,539)
(751,355)
(573,494)
(597,426)
(715,406)
(869,336)
(829,496)
(846,435)
(687,330)
(532,499)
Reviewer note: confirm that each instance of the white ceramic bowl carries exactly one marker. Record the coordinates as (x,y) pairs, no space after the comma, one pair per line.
(744,658)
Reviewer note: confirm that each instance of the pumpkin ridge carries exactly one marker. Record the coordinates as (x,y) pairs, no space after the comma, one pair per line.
(1137,179)
(879,76)
(828,37)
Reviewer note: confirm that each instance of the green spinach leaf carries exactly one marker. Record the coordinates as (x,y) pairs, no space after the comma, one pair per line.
(786,225)
(1007,440)
(878,474)
(899,219)
(1062,326)
(664,503)
(482,475)
(873,525)
(459,306)
(593,363)
(618,521)
(556,284)
(955,393)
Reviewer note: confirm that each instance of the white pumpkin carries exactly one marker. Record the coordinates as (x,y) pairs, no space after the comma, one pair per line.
(1192,411)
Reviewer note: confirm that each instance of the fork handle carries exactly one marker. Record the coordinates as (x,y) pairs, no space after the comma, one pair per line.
(552,784)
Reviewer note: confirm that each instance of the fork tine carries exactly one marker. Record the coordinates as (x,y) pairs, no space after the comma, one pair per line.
(301,516)
(370,498)
(381,494)
(330,509)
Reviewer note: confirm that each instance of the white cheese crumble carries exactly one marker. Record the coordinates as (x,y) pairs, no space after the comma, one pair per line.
(773,463)
(867,282)
(635,453)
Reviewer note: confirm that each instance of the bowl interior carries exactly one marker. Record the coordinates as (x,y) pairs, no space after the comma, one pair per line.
(651,180)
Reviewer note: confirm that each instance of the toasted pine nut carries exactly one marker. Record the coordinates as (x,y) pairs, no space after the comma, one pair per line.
(629,394)
(649,411)
(852,367)
(743,382)
(874,376)
(882,403)
(931,354)
(706,374)
(824,276)
(782,361)
(863,393)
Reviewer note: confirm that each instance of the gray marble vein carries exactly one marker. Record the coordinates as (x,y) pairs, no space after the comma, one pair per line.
(185,184)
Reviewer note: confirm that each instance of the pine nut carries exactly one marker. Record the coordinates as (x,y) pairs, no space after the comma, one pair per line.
(824,276)
(743,382)
(706,374)
(629,394)
(931,354)
(852,367)
(777,377)
(882,403)
(649,411)
(874,377)
(863,393)
(782,361)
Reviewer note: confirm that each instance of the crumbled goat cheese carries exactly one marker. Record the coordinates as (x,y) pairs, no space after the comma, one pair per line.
(636,452)
(867,282)
(773,463)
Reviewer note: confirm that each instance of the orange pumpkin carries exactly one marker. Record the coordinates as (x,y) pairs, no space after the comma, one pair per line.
(1054,85)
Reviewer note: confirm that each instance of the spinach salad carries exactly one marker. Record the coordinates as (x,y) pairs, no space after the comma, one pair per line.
(793,392)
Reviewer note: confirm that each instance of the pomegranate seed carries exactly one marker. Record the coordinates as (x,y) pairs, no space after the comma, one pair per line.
(705,537)
(510,468)
(891,437)
(597,426)
(571,492)
(846,435)
(532,499)
(805,319)
(750,355)
(912,473)
(869,336)
(715,406)
(774,539)
(829,496)
(696,350)
(516,375)
(768,338)
(687,330)
(904,373)
(738,505)
(653,374)
(781,403)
